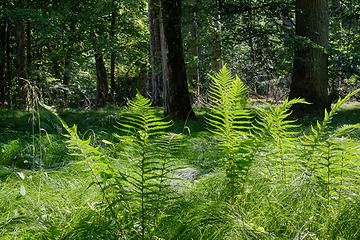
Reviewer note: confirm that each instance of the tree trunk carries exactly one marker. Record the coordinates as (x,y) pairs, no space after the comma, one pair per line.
(3,49)
(155,53)
(193,50)
(112,58)
(23,86)
(216,41)
(67,66)
(112,79)
(54,61)
(176,92)
(9,62)
(310,72)
(337,38)
(66,78)
(28,47)
(102,89)
(337,20)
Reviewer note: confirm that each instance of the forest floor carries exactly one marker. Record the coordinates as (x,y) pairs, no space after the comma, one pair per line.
(45,194)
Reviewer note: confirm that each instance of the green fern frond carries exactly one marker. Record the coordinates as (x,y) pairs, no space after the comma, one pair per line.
(231,119)
(147,148)
(335,108)
(330,154)
(91,156)
(277,132)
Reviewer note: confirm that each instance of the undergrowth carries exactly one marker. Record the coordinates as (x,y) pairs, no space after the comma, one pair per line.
(248,173)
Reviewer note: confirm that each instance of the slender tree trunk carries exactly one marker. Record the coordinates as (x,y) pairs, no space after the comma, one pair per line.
(3,49)
(155,53)
(176,92)
(310,72)
(28,47)
(102,89)
(66,78)
(56,73)
(337,37)
(23,87)
(287,24)
(216,41)
(112,78)
(54,61)
(337,20)
(9,62)
(193,50)
(67,66)
(112,58)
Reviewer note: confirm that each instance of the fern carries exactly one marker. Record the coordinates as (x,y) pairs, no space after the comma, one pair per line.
(277,132)
(91,156)
(230,119)
(135,182)
(331,154)
(150,169)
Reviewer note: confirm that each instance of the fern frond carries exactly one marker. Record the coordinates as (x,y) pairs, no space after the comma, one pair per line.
(277,132)
(330,153)
(91,156)
(148,150)
(230,118)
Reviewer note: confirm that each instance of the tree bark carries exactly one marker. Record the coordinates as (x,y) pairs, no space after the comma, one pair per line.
(28,47)
(66,78)
(310,72)
(23,87)
(3,49)
(216,41)
(67,66)
(337,20)
(112,57)
(9,62)
(337,38)
(176,92)
(193,50)
(102,89)
(54,61)
(155,53)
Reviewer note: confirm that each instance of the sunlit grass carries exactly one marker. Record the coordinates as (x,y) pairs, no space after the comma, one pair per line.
(35,204)
(56,200)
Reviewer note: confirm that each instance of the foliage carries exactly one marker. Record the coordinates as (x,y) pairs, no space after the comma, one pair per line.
(149,164)
(248,173)
(230,119)
(332,155)
(135,181)
(277,134)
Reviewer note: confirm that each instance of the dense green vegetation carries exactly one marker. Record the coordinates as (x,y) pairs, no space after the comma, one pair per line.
(240,171)
(142,143)
(68,47)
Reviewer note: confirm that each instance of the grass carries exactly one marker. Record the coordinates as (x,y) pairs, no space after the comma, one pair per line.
(43,204)
(58,200)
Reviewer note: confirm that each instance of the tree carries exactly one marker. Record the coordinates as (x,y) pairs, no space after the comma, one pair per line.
(23,91)
(102,89)
(216,40)
(176,92)
(113,57)
(310,72)
(4,44)
(155,53)
(192,49)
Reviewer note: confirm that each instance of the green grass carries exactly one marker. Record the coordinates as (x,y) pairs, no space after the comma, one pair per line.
(44,204)
(58,200)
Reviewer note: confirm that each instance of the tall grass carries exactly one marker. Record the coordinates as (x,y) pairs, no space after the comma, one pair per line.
(248,173)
